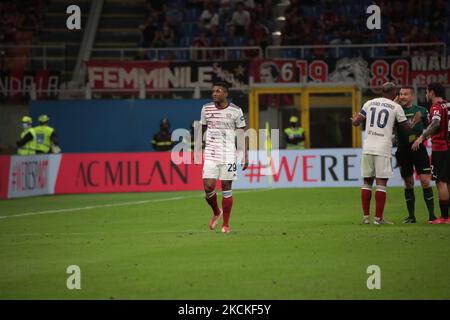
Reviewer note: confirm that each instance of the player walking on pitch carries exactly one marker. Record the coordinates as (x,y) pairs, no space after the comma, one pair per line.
(220,119)
(380,115)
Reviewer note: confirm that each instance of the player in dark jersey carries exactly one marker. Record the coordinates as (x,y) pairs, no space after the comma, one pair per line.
(440,157)
(408,159)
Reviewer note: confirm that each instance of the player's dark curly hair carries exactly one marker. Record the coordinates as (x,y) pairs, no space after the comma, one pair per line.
(437,88)
(222,84)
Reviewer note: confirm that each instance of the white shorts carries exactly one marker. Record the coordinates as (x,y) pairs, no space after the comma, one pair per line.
(220,171)
(373,166)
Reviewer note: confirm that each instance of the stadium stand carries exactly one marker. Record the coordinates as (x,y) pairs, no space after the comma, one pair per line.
(331,23)
(119,28)
(335,23)
(177,23)
(57,47)
(180,30)
(17,27)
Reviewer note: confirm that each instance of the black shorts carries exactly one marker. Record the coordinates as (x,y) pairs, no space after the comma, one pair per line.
(440,166)
(408,159)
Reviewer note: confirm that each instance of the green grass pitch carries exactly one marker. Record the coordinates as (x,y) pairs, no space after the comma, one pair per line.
(285,244)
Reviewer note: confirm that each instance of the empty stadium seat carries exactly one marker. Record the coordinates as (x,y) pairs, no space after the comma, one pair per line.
(185,42)
(192,15)
(288,53)
(190,29)
(379,52)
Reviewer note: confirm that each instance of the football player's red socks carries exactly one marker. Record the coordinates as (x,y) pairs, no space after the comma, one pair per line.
(227,203)
(366,196)
(380,198)
(211,198)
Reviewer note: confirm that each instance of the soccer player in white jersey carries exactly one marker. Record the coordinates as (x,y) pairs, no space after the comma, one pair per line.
(220,119)
(380,115)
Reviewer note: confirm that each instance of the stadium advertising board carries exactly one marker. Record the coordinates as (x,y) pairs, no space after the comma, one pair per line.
(32,175)
(4,176)
(125,172)
(307,168)
(164,75)
(154,171)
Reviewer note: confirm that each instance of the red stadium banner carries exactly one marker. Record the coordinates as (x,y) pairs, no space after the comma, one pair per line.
(5,162)
(125,172)
(23,176)
(426,69)
(126,74)
(364,72)
(105,75)
(347,70)
(274,71)
(17,85)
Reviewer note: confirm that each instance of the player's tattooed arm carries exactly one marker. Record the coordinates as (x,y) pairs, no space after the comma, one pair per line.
(357,119)
(432,129)
(429,131)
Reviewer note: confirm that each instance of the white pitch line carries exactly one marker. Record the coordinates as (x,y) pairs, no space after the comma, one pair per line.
(109,205)
(15,235)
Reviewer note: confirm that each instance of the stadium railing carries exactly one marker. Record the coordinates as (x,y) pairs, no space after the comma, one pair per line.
(39,56)
(87,93)
(179,53)
(338,51)
(55,56)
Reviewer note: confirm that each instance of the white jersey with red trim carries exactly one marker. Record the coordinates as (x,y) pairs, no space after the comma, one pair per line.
(381,115)
(220,144)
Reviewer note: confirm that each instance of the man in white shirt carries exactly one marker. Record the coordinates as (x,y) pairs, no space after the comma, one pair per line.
(209,18)
(380,115)
(241,19)
(220,119)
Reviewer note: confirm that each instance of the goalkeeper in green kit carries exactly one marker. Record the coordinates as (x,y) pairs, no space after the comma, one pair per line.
(408,159)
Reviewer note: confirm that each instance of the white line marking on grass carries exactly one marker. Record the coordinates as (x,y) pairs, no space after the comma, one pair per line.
(109,205)
(44,234)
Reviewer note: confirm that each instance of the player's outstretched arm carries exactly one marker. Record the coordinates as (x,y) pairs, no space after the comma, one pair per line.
(406,127)
(429,131)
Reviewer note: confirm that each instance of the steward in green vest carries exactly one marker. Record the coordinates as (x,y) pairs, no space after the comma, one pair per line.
(26,146)
(295,135)
(46,140)
(162,140)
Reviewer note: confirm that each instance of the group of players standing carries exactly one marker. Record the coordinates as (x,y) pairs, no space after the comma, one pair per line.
(395,113)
